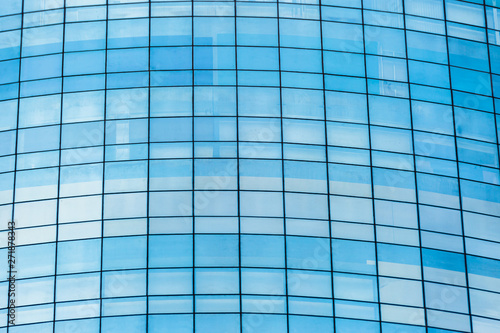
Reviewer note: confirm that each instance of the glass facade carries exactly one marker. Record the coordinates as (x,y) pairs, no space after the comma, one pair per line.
(250,166)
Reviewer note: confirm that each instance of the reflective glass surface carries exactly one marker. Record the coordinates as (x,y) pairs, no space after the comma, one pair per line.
(287,166)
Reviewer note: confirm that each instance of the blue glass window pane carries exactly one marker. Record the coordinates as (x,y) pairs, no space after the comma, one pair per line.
(124,252)
(170,251)
(216,250)
(352,256)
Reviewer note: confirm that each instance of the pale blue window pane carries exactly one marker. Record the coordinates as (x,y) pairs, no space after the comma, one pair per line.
(305,177)
(300,60)
(483,273)
(468,54)
(216,281)
(41,67)
(390,5)
(477,152)
(82,134)
(258,58)
(298,103)
(217,323)
(468,80)
(213,57)
(89,325)
(306,205)
(212,101)
(361,310)
(349,135)
(128,33)
(42,40)
(126,103)
(127,60)
(260,175)
(440,266)
(349,180)
(341,14)
(170,281)
(84,36)
(342,63)
(113,283)
(86,106)
(170,203)
(132,324)
(91,62)
(262,251)
(8,118)
(353,256)
(37,111)
(475,125)
(268,324)
(11,7)
(391,139)
(429,74)
(481,226)
(352,326)
(36,184)
(263,281)
(400,291)
(342,37)
(213,31)
(427,8)
(304,323)
(9,71)
(170,175)
(384,41)
(259,129)
(299,33)
(351,209)
(173,101)
(432,189)
(485,304)
(432,117)
(480,197)
(29,139)
(77,287)
(388,111)
(386,68)
(216,250)
(303,131)
(426,47)
(215,129)
(125,176)
(170,31)
(124,252)
(170,251)
(258,101)
(355,287)
(261,32)
(458,303)
(440,219)
(125,205)
(346,107)
(35,260)
(399,261)
(78,256)
(434,145)
(464,12)
(179,323)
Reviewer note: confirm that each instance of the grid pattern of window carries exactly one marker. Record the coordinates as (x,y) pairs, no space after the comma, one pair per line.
(251,166)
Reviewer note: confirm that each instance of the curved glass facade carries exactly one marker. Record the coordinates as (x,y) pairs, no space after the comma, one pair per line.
(249,166)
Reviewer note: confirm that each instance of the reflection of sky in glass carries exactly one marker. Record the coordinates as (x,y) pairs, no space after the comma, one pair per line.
(244,166)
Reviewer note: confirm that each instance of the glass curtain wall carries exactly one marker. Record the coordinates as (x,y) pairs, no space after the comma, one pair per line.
(250,166)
